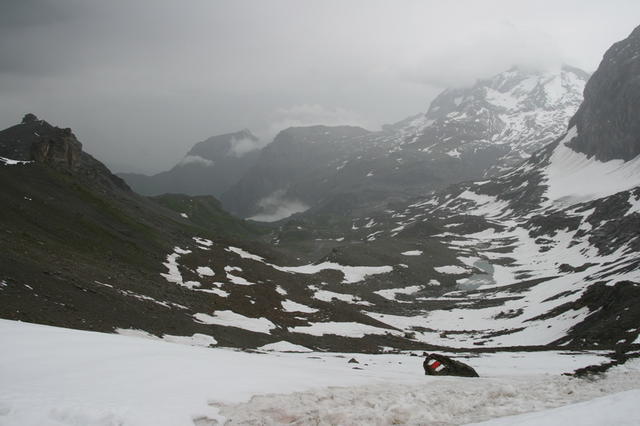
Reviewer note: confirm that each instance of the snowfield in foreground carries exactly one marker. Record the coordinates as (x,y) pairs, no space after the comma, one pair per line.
(56,376)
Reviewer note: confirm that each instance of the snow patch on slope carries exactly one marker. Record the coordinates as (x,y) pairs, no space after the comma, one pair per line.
(232,319)
(572,177)
(391,293)
(412,253)
(291,306)
(173,275)
(346,329)
(9,162)
(283,346)
(329,296)
(352,274)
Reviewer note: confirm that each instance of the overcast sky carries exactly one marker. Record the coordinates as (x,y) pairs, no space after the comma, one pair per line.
(140,81)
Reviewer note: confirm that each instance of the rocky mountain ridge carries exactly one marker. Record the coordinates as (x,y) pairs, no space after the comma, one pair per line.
(536,255)
(209,168)
(38,141)
(530,258)
(291,169)
(610,109)
(466,134)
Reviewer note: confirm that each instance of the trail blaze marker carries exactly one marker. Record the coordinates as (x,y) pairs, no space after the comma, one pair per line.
(436,365)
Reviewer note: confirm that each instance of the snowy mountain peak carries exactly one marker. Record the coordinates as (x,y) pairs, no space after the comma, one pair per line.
(554,241)
(518,90)
(511,114)
(515,90)
(468,133)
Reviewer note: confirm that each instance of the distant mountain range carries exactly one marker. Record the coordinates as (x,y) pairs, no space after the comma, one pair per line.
(543,254)
(466,134)
(209,168)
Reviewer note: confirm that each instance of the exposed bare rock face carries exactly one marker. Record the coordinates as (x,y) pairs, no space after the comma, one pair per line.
(607,121)
(60,148)
(36,140)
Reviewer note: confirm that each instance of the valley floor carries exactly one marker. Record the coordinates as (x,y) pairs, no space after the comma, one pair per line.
(55,376)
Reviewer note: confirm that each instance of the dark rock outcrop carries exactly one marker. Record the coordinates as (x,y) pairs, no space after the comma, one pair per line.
(29,118)
(612,321)
(607,121)
(60,148)
(592,371)
(36,140)
(441,365)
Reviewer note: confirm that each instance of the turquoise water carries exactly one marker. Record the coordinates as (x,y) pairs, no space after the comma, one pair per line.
(477,280)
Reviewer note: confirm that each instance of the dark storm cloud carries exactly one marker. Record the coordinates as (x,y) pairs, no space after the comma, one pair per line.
(22,24)
(142,80)
(32,13)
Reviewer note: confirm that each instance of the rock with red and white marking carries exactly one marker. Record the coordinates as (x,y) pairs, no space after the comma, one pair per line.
(440,365)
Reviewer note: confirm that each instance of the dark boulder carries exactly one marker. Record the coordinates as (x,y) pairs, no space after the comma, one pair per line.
(440,365)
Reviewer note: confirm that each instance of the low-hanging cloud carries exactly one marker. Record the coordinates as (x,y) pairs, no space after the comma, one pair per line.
(277,206)
(240,147)
(484,53)
(196,159)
